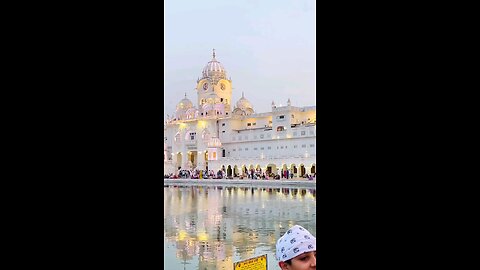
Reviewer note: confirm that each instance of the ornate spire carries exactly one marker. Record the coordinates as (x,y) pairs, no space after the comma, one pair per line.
(185,94)
(213,53)
(243,96)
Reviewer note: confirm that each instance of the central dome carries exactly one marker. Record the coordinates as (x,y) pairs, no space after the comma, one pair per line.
(214,70)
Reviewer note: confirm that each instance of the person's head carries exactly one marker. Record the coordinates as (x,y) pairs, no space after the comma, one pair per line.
(297,249)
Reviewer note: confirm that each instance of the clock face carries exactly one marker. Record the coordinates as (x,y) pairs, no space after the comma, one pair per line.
(222,86)
(205,86)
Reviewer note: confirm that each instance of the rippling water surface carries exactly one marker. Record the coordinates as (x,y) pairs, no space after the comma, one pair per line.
(213,227)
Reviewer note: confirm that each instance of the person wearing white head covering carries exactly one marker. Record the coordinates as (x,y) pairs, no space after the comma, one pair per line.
(297,250)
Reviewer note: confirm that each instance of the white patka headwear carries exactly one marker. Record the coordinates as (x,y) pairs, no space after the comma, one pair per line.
(297,240)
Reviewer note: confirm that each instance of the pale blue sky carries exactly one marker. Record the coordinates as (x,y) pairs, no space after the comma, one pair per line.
(267,48)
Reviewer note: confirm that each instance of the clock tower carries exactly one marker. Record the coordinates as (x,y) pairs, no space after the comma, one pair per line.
(214,90)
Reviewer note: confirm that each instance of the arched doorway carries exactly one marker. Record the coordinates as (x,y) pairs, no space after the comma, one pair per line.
(179,160)
(293,169)
(283,171)
(271,168)
(236,173)
(251,170)
(192,159)
(229,171)
(312,170)
(302,170)
(206,160)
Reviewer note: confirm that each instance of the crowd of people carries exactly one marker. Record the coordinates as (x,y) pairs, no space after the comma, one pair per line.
(195,174)
(257,174)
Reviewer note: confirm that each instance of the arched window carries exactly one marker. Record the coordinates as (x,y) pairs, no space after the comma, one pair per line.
(190,135)
(280,128)
(206,135)
(177,137)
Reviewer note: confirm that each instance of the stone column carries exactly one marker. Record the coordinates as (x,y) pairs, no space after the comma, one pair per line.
(175,161)
(201,160)
(184,159)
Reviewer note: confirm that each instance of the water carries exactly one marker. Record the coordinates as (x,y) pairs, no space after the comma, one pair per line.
(213,227)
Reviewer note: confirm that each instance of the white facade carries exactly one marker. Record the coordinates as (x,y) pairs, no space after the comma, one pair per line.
(212,134)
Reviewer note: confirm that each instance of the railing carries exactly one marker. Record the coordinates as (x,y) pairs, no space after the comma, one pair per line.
(268,128)
(191,142)
(255,128)
(283,157)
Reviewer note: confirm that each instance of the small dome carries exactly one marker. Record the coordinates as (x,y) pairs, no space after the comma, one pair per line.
(243,103)
(214,142)
(184,104)
(214,69)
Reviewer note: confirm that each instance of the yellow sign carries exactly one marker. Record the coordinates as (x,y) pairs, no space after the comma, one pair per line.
(257,263)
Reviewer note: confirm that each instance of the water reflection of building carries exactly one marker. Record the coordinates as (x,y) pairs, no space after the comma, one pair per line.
(223,225)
